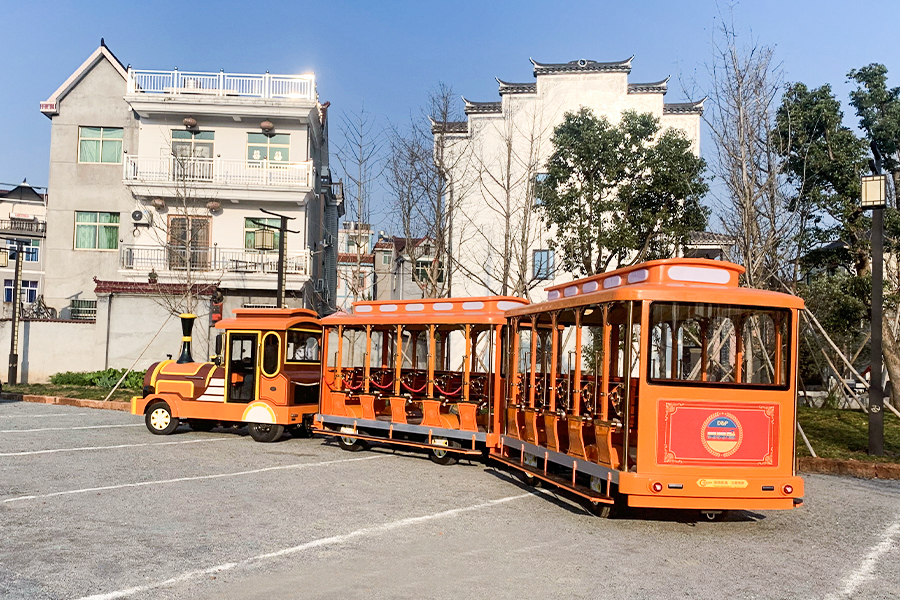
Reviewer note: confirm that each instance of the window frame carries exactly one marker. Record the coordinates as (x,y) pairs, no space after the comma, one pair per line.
(310,333)
(100,140)
(32,250)
(269,145)
(97,224)
(266,354)
(26,285)
(549,268)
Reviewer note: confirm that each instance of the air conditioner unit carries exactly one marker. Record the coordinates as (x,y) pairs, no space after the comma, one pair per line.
(141,218)
(329,240)
(320,286)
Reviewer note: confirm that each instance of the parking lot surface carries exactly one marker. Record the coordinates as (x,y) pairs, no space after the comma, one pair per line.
(94,506)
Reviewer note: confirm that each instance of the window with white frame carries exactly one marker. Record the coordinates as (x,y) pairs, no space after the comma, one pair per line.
(192,144)
(386,258)
(30,249)
(96,230)
(543,264)
(539,179)
(275,147)
(100,145)
(423,271)
(29,290)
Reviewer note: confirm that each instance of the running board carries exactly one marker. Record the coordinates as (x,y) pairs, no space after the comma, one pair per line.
(561,482)
(373,438)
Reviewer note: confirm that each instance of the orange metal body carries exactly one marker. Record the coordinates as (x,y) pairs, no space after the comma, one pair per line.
(416,373)
(279,384)
(692,443)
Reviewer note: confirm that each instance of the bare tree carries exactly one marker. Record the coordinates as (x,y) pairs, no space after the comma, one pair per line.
(360,157)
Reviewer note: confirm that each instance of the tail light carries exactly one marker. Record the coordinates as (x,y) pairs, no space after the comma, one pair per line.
(657,487)
(787,490)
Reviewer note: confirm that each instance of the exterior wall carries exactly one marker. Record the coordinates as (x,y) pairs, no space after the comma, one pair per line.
(32,270)
(48,347)
(96,101)
(507,145)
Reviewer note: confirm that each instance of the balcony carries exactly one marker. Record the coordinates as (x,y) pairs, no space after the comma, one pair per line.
(225,85)
(217,172)
(27,228)
(212,260)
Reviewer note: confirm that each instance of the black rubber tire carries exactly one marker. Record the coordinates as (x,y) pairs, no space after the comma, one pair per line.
(352,444)
(201,424)
(159,419)
(265,432)
(443,457)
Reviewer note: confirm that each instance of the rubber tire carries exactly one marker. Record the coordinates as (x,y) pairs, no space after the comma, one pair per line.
(265,432)
(352,444)
(530,480)
(202,424)
(161,413)
(443,457)
(303,430)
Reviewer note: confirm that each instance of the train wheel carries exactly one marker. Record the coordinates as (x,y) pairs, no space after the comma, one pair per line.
(441,456)
(201,424)
(529,479)
(352,444)
(159,419)
(265,432)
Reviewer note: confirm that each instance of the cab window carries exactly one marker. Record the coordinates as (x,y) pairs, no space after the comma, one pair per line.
(302,346)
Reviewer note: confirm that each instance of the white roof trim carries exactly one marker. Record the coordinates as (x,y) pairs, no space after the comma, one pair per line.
(78,75)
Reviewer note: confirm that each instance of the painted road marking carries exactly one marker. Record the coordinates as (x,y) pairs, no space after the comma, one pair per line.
(30,452)
(867,567)
(42,416)
(69,428)
(197,478)
(329,541)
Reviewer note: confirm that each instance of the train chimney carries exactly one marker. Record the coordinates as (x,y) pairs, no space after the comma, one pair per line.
(187,324)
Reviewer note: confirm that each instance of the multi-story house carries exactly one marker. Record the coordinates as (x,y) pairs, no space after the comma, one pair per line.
(162,177)
(22,224)
(403,267)
(356,265)
(499,243)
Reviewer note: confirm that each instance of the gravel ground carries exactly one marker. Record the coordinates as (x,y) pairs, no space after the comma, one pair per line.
(93,505)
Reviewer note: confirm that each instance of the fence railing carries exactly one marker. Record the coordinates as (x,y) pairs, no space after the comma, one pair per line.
(23,226)
(210,259)
(285,87)
(219,171)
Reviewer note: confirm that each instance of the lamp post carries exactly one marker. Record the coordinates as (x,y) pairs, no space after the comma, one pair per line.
(12,377)
(264,239)
(874,196)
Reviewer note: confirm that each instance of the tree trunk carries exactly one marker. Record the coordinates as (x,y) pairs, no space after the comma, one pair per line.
(891,360)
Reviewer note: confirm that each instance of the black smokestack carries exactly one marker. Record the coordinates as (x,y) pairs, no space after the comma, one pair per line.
(187,324)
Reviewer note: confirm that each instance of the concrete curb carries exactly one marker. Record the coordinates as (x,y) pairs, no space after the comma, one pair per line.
(852,468)
(109,405)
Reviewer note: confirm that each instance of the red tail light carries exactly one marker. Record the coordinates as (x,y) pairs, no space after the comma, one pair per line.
(656,487)
(788,490)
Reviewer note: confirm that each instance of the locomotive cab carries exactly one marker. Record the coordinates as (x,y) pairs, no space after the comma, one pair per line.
(265,373)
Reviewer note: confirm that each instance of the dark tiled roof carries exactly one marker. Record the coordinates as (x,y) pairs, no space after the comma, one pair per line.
(657,87)
(516,88)
(450,127)
(351,258)
(146,288)
(479,108)
(709,237)
(24,192)
(582,66)
(384,246)
(684,108)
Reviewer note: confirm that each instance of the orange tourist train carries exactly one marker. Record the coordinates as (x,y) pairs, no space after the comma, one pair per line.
(265,373)
(662,385)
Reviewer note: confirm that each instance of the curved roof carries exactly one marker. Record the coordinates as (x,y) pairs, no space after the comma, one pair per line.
(481,107)
(684,108)
(516,88)
(277,319)
(437,311)
(582,66)
(657,87)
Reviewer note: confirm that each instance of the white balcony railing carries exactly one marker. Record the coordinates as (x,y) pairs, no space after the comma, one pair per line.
(212,259)
(284,87)
(217,171)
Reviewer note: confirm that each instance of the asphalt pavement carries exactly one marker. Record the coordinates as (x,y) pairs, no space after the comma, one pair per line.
(94,506)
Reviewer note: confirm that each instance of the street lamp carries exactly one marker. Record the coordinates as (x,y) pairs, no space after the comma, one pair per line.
(264,239)
(874,196)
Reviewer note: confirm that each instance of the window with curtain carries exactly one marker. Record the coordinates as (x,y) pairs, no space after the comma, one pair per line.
(96,230)
(251,225)
(274,147)
(189,240)
(29,290)
(100,145)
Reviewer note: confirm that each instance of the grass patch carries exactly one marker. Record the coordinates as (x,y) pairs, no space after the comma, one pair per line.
(844,434)
(70,391)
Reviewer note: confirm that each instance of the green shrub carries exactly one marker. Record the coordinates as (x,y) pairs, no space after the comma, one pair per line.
(102,379)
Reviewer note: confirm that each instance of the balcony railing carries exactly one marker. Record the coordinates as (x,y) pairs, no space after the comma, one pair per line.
(24,227)
(213,259)
(218,171)
(284,87)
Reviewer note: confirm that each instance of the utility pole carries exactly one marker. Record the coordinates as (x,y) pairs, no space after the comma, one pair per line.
(13,373)
(282,242)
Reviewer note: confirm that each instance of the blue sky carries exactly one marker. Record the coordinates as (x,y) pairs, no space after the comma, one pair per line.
(386,55)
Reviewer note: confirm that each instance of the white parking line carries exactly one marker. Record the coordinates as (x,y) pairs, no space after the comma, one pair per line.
(30,452)
(43,416)
(864,572)
(329,541)
(70,428)
(196,478)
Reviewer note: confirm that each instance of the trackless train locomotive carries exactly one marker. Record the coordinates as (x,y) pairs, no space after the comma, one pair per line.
(662,385)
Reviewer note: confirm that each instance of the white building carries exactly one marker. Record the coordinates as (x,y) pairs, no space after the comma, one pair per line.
(501,149)
(356,264)
(22,222)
